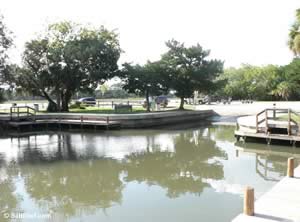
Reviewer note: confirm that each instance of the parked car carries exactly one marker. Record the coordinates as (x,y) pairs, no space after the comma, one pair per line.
(162,100)
(89,101)
(200,101)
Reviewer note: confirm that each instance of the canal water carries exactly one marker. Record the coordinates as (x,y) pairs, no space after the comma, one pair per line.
(195,174)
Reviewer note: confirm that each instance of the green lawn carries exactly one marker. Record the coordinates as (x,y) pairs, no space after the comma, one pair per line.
(105,110)
(110,110)
(293,117)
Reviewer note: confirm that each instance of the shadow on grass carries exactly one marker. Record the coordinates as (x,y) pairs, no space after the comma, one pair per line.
(105,111)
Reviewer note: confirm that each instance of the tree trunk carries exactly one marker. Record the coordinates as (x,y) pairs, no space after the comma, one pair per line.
(65,101)
(181,107)
(58,100)
(147,101)
(52,106)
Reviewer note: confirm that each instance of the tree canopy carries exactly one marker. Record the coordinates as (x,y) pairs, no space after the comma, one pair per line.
(5,43)
(289,85)
(294,35)
(147,80)
(189,69)
(263,82)
(250,82)
(68,58)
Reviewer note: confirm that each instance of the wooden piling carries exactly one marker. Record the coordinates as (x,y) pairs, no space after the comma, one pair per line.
(266,120)
(289,122)
(107,123)
(249,201)
(290,168)
(255,124)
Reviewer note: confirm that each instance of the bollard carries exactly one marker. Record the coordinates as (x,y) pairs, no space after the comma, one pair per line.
(274,110)
(249,201)
(290,169)
(236,153)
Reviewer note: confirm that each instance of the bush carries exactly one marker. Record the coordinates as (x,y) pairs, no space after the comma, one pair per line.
(2,97)
(77,105)
(74,106)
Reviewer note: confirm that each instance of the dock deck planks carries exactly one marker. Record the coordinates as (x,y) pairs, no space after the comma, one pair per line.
(70,122)
(281,203)
(241,133)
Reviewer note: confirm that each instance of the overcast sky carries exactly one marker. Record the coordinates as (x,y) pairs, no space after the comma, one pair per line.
(236,31)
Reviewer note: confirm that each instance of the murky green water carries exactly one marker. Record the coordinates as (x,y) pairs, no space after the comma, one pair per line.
(185,175)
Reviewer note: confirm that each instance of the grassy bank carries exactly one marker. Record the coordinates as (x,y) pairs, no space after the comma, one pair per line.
(285,117)
(105,110)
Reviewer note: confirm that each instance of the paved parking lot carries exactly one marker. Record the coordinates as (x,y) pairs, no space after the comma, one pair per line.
(240,109)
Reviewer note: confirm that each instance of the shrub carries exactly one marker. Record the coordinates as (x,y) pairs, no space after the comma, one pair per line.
(77,105)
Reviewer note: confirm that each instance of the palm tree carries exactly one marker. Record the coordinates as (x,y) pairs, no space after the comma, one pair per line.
(283,90)
(294,35)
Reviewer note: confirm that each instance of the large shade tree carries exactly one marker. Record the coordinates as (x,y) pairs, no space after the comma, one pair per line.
(5,43)
(66,59)
(150,79)
(294,35)
(190,69)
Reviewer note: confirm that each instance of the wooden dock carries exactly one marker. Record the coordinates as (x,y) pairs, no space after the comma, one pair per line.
(65,123)
(281,203)
(24,117)
(268,137)
(271,125)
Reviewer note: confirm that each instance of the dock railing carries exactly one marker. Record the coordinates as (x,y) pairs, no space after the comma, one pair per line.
(112,103)
(264,117)
(22,111)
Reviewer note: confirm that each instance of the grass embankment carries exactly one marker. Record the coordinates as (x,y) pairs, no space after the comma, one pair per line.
(285,117)
(107,110)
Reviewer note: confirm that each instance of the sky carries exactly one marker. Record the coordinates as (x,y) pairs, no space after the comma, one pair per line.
(236,31)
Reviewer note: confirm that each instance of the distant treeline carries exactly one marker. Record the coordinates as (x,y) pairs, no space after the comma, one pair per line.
(262,83)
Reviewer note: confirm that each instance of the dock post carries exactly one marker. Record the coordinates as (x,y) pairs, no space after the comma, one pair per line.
(107,122)
(249,201)
(59,122)
(256,123)
(290,169)
(289,122)
(266,120)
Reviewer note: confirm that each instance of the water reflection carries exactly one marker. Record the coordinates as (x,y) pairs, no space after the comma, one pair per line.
(8,201)
(75,187)
(269,160)
(180,171)
(75,175)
